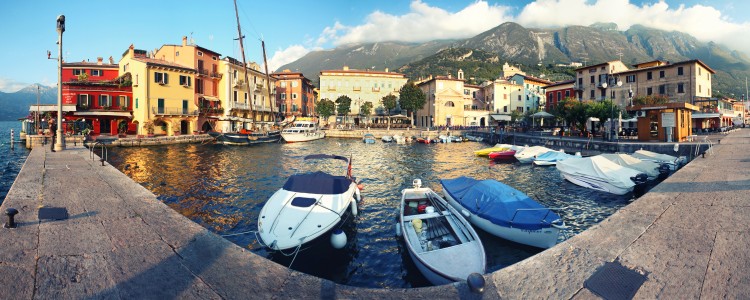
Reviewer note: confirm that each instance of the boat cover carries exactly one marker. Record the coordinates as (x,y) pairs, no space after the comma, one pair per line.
(532,151)
(317,183)
(599,167)
(497,202)
(650,168)
(645,154)
(553,156)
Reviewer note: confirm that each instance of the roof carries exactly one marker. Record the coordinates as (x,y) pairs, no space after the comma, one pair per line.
(597,65)
(532,78)
(85,64)
(352,71)
(686,62)
(163,63)
(561,83)
(440,78)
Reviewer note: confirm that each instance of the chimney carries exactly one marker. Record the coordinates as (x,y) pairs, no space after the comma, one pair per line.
(131,50)
(184,40)
(99,60)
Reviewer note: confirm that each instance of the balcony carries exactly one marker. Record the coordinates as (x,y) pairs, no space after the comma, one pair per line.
(376,89)
(578,87)
(263,108)
(216,75)
(240,105)
(238,83)
(258,87)
(173,111)
(211,110)
(202,72)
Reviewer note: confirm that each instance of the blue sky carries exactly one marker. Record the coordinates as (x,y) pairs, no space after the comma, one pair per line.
(293,28)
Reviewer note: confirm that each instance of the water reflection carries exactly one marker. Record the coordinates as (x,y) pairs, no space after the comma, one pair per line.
(224,188)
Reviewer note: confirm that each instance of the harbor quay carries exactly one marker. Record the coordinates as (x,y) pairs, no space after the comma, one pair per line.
(85,230)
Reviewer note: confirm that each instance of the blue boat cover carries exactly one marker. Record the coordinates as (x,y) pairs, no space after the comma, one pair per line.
(553,156)
(317,183)
(498,202)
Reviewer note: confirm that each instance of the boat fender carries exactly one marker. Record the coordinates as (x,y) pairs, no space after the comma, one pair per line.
(417,223)
(466,213)
(338,239)
(354,208)
(398,229)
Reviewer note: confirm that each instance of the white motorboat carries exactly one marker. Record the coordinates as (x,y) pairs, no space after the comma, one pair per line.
(550,158)
(650,168)
(308,206)
(527,155)
(442,244)
(601,174)
(302,131)
(387,139)
(399,139)
(504,211)
(673,162)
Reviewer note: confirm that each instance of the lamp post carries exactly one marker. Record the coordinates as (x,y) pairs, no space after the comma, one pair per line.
(59,146)
(615,82)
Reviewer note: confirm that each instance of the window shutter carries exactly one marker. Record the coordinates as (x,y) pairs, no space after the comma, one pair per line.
(166,78)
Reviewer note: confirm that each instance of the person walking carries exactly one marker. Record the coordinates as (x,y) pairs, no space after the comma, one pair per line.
(53,128)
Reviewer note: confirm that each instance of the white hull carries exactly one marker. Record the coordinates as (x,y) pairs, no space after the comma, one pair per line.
(303,137)
(596,184)
(545,163)
(447,249)
(541,238)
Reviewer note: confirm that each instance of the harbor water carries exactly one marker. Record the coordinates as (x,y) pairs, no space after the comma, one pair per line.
(12,156)
(223,188)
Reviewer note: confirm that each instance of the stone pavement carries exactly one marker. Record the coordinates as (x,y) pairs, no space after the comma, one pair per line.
(690,235)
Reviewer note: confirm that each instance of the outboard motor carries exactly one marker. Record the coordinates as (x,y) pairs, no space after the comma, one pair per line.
(663,171)
(639,181)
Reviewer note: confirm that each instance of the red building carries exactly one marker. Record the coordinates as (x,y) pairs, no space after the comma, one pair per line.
(558,91)
(103,100)
(294,94)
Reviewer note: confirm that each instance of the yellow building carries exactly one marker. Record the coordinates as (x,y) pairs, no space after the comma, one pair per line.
(445,102)
(245,105)
(502,98)
(162,94)
(361,86)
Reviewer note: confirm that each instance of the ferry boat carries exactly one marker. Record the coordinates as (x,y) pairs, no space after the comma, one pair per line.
(302,131)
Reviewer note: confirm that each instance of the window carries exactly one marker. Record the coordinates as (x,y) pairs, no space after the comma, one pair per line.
(200,53)
(294,95)
(592,79)
(592,95)
(630,78)
(505,108)
(662,89)
(177,53)
(83,101)
(519,97)
(214,58)
(567,94)
(283,84)
(681,88)
(126,67)
(559,96)
(234,96)
(122,101)
(161,78)
(105,101)
(185,81)
(649,91)
(661,74)
(680,71)
(294,107)
(580,81)
(77,72)
(450,104)
(96,72)
(699,71)
(649,76)
(282,96)
(199,86)
(294,84)
(699,88)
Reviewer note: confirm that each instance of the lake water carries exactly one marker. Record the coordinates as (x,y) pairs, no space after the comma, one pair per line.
(223,188)
(11,158)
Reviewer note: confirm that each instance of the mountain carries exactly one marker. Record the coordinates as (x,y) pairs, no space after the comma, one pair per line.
(532,48)
(16,105)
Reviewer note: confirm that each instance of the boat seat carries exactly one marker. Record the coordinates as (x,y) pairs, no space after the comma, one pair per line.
(436,228)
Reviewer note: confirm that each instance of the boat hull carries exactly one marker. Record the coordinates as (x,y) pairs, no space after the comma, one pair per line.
(541,238)
(245,139)
(503,155)
(302,137)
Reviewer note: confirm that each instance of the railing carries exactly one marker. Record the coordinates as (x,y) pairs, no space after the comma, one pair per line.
(261,108)
(202,72)
(211,110)
(240,105)
(174,111)
(216,75)
(239,83)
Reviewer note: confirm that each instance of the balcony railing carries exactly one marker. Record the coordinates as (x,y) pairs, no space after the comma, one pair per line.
(202,72)
(216,75)
(239,83)
(174,111)
(211,110)
(240,105)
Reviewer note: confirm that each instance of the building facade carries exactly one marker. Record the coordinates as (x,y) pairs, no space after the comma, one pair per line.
(244,97)
(163,95)
(361,86)
(295,94)
(557,92)
(533,97)
(589,80)
(445,104)
(102,99)
(682,81)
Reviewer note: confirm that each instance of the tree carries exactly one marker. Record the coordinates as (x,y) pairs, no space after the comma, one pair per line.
(366,109)
(325,108)
(515,116)
(650,99)
(343,105)
(603,110)
(389,102)
(412,98)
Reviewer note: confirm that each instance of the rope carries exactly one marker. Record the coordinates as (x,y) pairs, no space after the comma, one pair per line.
(233,234)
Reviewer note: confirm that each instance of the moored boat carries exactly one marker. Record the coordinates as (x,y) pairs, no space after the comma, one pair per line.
(496,148)
(308,206)
(246,137)
(442,244)
(550,158)
(368,138)
(673,162)
(601,174)
(302,131)
(528,154)
(504,211)
(503,155)
(387,139)
(650,168)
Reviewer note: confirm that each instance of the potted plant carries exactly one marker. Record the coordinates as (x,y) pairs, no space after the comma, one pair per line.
(122,129)
(149,126)
(176,127)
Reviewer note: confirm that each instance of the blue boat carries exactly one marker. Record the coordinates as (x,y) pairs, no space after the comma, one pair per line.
(550,158)
(504,211)
(368,138)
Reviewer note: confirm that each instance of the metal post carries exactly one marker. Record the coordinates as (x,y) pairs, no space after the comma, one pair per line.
(59,146)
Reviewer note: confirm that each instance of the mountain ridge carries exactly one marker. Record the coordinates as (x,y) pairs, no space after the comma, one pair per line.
(16,105)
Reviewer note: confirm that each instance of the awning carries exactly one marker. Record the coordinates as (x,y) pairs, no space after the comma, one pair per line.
(51,107)
(104,113)
(500,117)
(706,116)
(542,114)
(209,98)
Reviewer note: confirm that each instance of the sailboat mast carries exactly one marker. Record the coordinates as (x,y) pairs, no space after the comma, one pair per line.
(244,63)
(268,78)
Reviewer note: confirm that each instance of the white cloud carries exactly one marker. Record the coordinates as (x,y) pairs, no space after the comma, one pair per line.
(10,86)
(422,23)
(285,56)
(703,22)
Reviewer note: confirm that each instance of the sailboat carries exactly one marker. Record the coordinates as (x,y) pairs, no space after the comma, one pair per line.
(249,137)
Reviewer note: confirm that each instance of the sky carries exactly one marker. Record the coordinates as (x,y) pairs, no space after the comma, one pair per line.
(293,28)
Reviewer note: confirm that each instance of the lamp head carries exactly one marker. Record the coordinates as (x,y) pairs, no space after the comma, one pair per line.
(61,23)
(604,85)
(619,83)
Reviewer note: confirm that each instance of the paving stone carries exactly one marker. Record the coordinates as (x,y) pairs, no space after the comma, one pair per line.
(72,238)
(130,232)
(16,281)
(727,275)
(74,277)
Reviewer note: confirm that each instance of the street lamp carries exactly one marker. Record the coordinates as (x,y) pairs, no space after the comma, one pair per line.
(59,146)
(615,81)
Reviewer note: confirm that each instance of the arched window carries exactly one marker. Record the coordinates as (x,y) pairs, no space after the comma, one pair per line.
(449,104)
